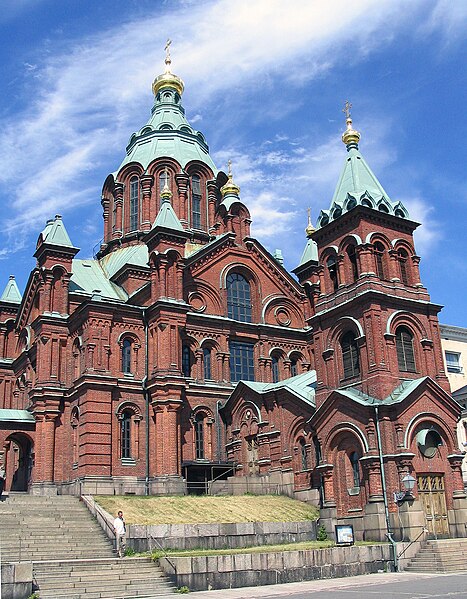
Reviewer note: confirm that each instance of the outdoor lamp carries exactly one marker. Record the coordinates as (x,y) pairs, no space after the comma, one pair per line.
(409,483)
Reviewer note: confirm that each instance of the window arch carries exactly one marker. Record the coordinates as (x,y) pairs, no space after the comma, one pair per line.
(127,350)
(405,349)
(129,418)
(196,202)
(74,421)
(350,355)
(238,298)
(125,434)
(207,363)
(379,250)
(293,366)
(199,435)
(187,360)
(403,257)
(275,368)
(303,453)
(134,203)
(352,255)
(332,270)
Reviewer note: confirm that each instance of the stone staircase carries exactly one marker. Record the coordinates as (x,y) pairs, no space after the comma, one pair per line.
(72,557)
(447,555)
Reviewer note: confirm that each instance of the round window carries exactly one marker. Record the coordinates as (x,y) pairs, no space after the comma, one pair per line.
(428,441)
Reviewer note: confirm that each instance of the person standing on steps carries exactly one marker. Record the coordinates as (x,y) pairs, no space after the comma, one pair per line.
(120,531)
(2,480)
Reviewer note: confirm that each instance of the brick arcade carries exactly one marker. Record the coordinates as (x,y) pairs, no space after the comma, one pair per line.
(184,356)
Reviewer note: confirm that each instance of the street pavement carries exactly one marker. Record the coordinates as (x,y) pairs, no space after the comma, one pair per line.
(403,585)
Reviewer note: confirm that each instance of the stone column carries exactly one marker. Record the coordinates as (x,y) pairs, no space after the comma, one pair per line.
(212,197)
(147,182)
(118,201)
(182,180)
(105,202)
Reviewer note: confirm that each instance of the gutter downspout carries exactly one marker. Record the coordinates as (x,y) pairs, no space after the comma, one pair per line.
(146,394)
(385,497)
(218,430)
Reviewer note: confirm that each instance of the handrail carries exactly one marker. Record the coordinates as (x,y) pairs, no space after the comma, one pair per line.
(161,547)
(424,530)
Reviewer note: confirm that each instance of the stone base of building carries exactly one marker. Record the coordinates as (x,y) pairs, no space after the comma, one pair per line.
(44,489)
(458,516)
(272,483)
(116,485)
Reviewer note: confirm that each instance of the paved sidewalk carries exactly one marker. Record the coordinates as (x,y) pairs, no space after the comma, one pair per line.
(312,586)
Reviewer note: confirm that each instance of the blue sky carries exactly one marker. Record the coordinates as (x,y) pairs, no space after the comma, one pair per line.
(265,81)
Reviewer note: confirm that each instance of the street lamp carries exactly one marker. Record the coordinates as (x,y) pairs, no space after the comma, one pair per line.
(408,483)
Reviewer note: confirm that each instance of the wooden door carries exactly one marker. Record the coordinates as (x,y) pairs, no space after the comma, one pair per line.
(252,455)
(433,499)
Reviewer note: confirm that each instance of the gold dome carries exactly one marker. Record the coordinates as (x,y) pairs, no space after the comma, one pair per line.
(230,186)
(168,79)
(350,135)
(309,228)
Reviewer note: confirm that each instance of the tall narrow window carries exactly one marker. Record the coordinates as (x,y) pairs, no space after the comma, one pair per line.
(353,262)
(186,361)
(350,356)
(126,356)
(317,446)
(238,298)
(199,436)
(195,202)
(275,369)
(354,458)
(134,203)
(332,270)
(207,363)
(114,216)
(303,454)
(405,351)
(125,434)
(379,258)
(242,366)
(293,367)
(403,257)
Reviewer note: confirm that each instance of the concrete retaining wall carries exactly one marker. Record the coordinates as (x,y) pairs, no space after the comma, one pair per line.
(219,536)
(240,570)
(16,580)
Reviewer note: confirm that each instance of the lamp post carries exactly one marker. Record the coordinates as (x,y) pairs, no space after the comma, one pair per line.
(408,483)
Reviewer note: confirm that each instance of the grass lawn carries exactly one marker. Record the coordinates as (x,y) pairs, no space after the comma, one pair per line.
(194,509)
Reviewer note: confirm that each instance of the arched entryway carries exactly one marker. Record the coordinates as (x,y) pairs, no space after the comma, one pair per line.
(18,461)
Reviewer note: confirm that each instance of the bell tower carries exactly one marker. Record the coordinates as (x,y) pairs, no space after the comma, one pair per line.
(374,325)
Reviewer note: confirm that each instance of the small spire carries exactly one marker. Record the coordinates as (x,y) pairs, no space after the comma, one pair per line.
(230,187)
(166,194)
(168,60)
(350,137)
(309,228)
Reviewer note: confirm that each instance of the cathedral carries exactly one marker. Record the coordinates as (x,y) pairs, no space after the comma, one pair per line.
(184,357)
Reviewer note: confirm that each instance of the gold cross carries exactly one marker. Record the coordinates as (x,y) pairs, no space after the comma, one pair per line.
(229,164)
(309,215)
(167,48)
(346,109)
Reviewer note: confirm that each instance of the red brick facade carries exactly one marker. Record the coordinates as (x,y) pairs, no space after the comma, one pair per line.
(128,363)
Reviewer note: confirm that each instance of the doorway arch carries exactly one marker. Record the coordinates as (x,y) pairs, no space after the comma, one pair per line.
(18,461)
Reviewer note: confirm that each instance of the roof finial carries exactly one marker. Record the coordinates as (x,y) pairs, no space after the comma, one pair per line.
(309,228)
(230,186)
(166,194)
(350,137)
(167,79)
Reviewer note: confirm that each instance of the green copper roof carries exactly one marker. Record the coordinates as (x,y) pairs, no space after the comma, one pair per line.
(167,134)
(88,277)
(358,185)
(167,218)
(302,386)
(310,253)
(11,292)
(16,416)
(55,233)
(133,255)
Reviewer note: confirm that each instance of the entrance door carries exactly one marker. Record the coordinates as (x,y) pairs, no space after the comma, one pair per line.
(433,499)
(252,455)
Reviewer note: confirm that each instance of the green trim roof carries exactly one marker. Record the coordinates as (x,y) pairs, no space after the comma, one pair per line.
(167,219)
(16,416)
(302,386)
(89,277)
(167,134)
(358,185)
(310,253)
(11,292)
(133,255)
(55,233)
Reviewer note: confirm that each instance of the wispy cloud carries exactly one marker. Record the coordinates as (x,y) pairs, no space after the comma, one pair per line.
(221,48)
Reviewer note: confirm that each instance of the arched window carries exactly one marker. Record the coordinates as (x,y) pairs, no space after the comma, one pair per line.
(126,356)
(186,360)
(353,262)
(238,298)
(354,458)
(207,363)
(303,453)
(379,258)
(134,203)
(114,215)
(403,257)
(195,202)
(125,434)
(405,351)
(275,369)
(293,367)
(199,436)
(332,270)
(317,446)
(350,355)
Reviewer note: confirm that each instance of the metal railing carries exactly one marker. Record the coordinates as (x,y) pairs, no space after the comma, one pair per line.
(163,550)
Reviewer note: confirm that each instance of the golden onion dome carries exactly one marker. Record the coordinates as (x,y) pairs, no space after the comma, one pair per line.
(230,186)
(350,135)
(168,79)
(309,228)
